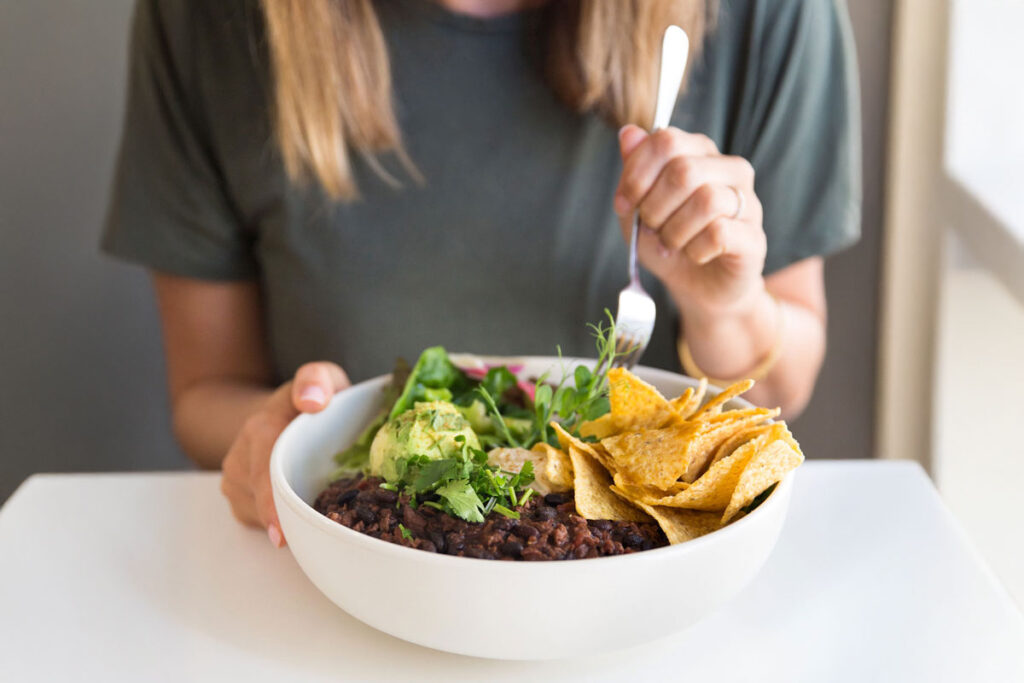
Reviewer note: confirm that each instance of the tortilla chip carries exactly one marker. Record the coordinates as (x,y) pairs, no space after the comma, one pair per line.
(603,426)
(557,466)
(690,399)
(679,525)
(712,491)
(635,404)
(595,450)
(565,440)
(721,428)
(749,416)
(681,403)
(655,457)
(729,446)
(643,492)
(594,497)
(715,405)
(773,461)
(604,457)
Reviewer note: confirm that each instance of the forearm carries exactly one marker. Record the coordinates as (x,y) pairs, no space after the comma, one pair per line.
(732,344)
(209,415)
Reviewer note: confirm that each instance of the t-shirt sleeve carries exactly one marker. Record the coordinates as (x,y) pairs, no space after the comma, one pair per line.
(169,209)
(799,126)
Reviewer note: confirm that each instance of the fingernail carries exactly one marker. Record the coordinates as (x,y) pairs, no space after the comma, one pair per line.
(621,204)
(313,394)
(275,535)
(622,131)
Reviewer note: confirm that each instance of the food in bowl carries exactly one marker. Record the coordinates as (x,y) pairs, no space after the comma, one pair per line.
(473,461)
(383,584)
(547,528)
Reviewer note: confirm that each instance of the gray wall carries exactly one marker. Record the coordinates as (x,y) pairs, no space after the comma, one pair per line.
(81,373)
(80,361)
(840,421)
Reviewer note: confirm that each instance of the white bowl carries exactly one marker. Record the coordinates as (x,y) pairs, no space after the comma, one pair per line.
(504,610)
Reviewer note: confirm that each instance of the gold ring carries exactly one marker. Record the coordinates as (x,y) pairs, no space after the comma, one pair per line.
(741,202)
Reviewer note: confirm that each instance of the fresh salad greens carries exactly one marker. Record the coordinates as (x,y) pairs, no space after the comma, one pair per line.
(570,406)
(432,379)
(403,443)
(464,485)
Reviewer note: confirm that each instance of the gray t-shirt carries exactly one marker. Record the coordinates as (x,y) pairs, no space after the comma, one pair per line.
(510,246)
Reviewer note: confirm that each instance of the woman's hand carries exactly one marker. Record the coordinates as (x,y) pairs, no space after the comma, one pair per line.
(246,468)
(703,241)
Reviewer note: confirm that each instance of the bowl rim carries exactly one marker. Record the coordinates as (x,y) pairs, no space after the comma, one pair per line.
(282,487)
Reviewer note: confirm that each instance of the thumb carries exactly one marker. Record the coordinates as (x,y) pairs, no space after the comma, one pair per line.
(630,136)
(315,384)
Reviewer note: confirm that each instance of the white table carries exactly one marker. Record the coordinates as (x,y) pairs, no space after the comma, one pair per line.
(146,577)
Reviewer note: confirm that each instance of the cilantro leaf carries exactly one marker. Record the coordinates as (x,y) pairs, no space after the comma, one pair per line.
(463,501)
(432,473)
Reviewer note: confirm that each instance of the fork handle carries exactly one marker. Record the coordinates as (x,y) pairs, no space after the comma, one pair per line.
(675,49)
(634,273)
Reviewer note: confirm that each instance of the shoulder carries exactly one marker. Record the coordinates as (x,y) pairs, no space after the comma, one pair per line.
(774,24)
(187,32)
(195,17)
(202,54)
(761,23)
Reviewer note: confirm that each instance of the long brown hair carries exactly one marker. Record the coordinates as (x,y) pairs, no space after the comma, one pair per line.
(332,79)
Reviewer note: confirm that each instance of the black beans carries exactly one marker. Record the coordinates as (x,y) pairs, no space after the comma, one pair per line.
(548,527)
(632,540)
(413,519)
(347,496)
(385,497)
(527,531)
(513,548)
(555,499)
(437,538)
(547,513)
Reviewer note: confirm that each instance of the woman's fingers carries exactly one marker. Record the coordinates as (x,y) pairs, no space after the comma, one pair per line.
(315,383)
(725,237)
(629,137)
(245,479)
(682,177)
(643,163)
(243,505)
(704,205)
(713,241)
(246,467)
(263,499)
(260,432)
(235,482)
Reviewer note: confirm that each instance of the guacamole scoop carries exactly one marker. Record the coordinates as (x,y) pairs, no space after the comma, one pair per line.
(426,429)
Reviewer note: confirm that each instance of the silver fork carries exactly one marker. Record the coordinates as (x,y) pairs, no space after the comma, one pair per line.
(634,321)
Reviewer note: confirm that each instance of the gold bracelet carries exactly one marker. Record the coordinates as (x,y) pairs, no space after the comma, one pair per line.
(758,373)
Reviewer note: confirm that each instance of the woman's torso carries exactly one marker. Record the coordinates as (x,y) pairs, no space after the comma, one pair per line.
(510,244)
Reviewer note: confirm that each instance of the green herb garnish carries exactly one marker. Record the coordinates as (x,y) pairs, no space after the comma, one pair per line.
(570,406)
(465,485)
(495,410)
(406,534)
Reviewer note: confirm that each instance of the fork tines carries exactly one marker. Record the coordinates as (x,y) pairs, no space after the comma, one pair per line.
(628,349)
